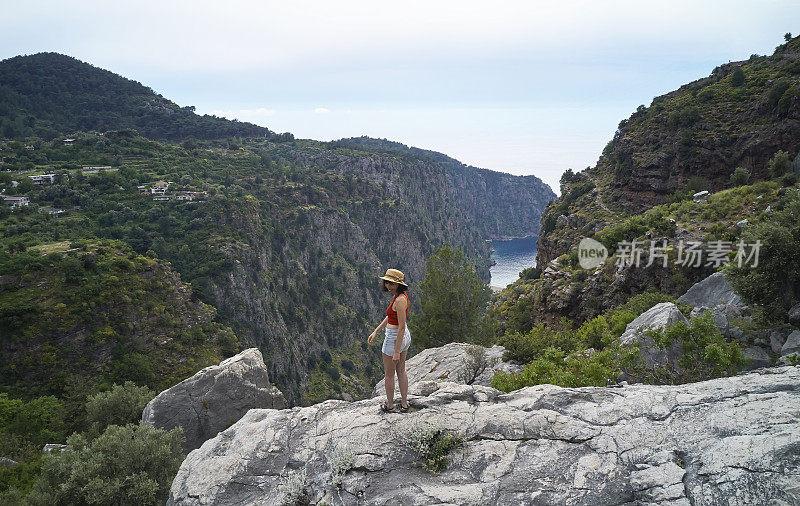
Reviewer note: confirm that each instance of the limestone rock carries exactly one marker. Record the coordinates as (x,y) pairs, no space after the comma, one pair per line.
(794,315)
(714,291)
(659,316)
(6,462)
(723,441)
(776,340)
(756,357)
(53,447)
(700,197)
(214,398)
(451,363)
(792,344)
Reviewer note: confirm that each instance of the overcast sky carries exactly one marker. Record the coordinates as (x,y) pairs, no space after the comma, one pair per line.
(525,87)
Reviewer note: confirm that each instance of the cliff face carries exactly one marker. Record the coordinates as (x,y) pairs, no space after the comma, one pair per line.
(331,254)
(686,141)
(739,116)
(720,441)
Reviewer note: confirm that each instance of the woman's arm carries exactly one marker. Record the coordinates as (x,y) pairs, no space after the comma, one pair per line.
(382,324)
(378,329)
(401,305)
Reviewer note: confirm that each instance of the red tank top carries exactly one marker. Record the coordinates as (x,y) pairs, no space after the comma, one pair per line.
(392,314)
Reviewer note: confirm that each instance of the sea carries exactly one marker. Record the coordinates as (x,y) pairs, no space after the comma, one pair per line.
(511,257)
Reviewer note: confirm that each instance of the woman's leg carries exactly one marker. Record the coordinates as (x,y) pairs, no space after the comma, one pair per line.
(388,380)
(402,379)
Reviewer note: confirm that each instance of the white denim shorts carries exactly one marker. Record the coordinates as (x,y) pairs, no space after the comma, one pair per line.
(390,341)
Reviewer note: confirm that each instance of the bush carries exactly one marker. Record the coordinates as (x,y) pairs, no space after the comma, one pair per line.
(134,464)
(474,363)
(121,405)
(740,176)
(522,348)
(704,353)
(737,78)
(780,163)
(341,460)
(683,117)
(578,369)
(432,443)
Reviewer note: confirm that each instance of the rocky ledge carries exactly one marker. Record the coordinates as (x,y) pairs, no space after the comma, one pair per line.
(214,398)
(732,440)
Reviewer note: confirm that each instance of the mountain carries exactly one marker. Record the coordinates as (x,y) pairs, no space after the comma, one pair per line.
(288,236)
(50,94)
(690,140)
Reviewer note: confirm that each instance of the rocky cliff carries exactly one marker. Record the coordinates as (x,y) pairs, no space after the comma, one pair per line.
(687,141)
(725,441)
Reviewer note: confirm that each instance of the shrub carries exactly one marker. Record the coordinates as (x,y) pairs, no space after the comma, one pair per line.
(474,363)
(341,460)
(530,273)
(432,443)
(780,163)
(786,101)
(121,405)
(737,77)
(704,352)
(522,348)
(683,117)
(348,365)
(293,490)
(332,371)
(134,464)
(740,176)
(577,369)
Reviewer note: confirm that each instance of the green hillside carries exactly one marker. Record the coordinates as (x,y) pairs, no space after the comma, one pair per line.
(50,94)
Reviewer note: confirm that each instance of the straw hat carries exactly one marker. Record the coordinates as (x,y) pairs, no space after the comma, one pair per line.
(394,276)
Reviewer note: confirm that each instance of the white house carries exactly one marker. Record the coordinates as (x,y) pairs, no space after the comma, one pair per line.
(44,179)
(159,188)
(16,201)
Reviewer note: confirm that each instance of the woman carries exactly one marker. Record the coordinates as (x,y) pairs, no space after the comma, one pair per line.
(394,352)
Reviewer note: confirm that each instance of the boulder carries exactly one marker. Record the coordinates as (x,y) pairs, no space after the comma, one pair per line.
(712,292)
(776,339)
(756,357)
(214,398)
(724,441)
(792,344)
(659,316)
(451,362)
(794,315)
(54,447)
(700,197)
(9,463)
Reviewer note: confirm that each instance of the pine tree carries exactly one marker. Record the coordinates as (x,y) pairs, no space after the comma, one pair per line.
(453,301)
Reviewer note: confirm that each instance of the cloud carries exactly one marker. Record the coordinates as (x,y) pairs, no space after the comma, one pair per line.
(321,110)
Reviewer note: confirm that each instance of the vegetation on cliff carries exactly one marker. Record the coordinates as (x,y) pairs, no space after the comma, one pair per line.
(49,94)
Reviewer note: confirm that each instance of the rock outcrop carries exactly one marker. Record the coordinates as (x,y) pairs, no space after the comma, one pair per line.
(214,398)
(714,291)
(452,362)
(725,441)
(659,316)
